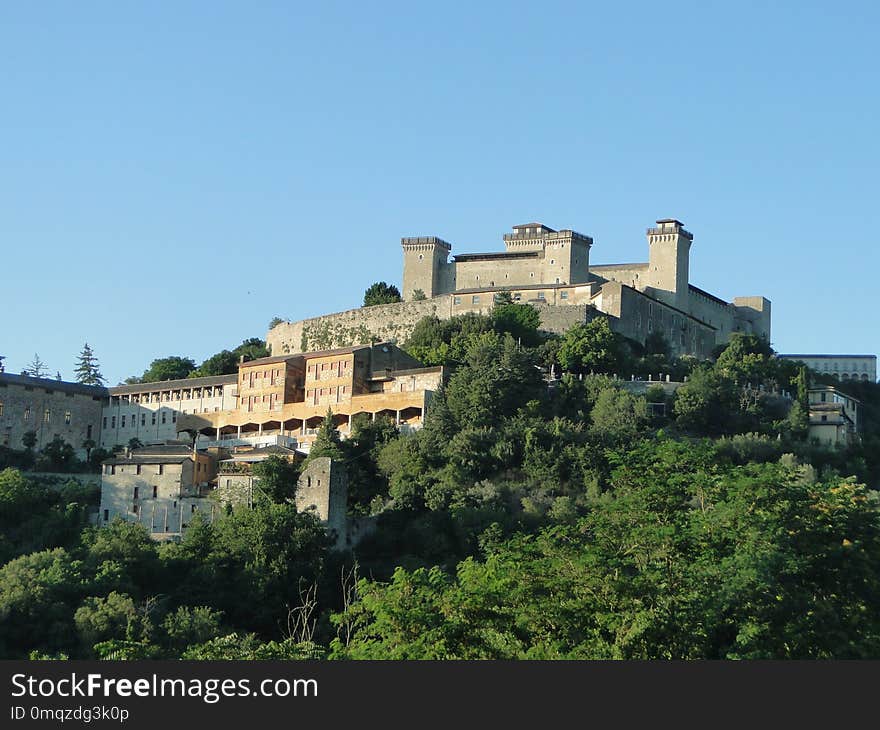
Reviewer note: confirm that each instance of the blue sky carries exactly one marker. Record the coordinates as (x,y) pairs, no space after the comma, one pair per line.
(173,175)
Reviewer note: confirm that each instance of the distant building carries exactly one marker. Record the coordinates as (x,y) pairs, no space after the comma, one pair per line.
(282,400)
(50,408)
(552,271)
(834,416)
(845,367)
(161,487)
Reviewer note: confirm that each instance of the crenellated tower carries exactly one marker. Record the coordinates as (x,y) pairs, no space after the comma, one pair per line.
(669,248)
(424,266)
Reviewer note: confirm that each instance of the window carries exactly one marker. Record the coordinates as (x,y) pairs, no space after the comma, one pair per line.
(155,491)
(161,469)
(824,418)
(475,299)
(137,469)
(89,431)
(122,425)
(154,418)
(27,414)
(106,515)
(136,492)
(552,261)
(192,508)
(173,416)
(456,300)
(563,295)
(541,295)
(134,509)
(1,407)
(822,397)
(163,416)
(105,421)
(46,415)
(112,421)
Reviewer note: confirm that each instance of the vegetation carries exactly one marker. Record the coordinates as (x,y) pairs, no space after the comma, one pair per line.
(381,293)
(87,370)
(576,516)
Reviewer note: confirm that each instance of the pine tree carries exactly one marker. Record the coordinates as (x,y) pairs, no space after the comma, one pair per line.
(87,370)
(327,442)
(37,368)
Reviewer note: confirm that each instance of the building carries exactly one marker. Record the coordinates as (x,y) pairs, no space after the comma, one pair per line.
(834,416)
(148,412)
(282,400)
(50,409)
(551,270)
(845,367)
(160,486)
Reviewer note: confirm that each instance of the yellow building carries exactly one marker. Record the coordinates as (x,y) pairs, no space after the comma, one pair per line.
(282,400)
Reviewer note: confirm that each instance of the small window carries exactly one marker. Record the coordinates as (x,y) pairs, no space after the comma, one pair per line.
(475,299)
(136,492)
(106,515)
(105,421)
(46,415)
(27,414)
(123,422)
(137,469)
(161,469)
(143,419)
(113,422)
(88,428)
(456,300)
(824,418)
(541,295)
(563,295)
(153,421)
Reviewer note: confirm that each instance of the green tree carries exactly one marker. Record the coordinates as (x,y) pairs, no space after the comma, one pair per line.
(57,455)
(275,321)
(418,295)
(36,369)
(381,293)
(102,619)
(87,370)
(520,321)
(168,368)
(328,441)
(277,479)
(29,439)
(592,347)
(190,625)
(618,415)
(708,403)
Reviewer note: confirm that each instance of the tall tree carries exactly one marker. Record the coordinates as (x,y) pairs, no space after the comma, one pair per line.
(87,370)
(168,368)
(37,368)
(381,293)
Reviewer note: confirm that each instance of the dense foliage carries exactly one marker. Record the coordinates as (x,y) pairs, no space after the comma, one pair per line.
(572,515)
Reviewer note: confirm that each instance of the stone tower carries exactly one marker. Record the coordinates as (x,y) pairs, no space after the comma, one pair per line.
(669,247)
(425,266)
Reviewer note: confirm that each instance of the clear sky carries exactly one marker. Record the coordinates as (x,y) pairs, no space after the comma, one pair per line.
(175,174)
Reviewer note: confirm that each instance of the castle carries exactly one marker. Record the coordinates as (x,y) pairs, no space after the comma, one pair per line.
(551,270)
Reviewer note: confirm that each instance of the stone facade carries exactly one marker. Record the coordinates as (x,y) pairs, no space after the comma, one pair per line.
(159,487)
(49,408)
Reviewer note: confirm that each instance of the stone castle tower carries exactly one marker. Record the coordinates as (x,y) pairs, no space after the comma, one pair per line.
(424,266)
(669,249)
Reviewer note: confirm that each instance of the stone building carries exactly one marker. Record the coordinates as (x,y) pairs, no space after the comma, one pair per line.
(845,367)
(49,408)
(834,416)
(283,399)
(551,270)
(161,487)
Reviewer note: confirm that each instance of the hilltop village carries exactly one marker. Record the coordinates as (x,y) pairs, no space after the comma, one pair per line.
(197,439)
(520,454)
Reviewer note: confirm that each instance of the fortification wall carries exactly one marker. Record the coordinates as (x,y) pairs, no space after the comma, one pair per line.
(396,322)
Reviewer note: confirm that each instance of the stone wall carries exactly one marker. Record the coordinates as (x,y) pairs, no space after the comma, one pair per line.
(323,484)
(49,408)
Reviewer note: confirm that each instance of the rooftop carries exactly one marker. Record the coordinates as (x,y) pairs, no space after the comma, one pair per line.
(172,384)
(52,384)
